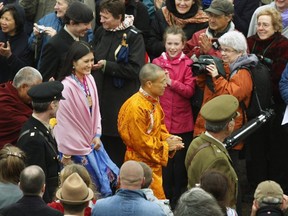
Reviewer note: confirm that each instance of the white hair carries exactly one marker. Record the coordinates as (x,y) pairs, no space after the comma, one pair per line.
(235,40)
(26,75)
(197,202)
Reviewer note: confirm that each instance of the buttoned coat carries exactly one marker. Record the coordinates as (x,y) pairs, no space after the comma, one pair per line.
(111,98)
(41,149)
(214,156)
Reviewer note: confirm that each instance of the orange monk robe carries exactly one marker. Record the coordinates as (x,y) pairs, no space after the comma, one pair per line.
(142,129)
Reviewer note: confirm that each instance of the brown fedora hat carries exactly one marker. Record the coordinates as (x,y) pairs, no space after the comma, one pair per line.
(74,191)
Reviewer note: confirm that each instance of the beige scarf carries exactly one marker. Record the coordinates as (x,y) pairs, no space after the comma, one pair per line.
(128,21)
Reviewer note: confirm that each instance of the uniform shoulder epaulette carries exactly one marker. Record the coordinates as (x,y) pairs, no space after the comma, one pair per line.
(134,30)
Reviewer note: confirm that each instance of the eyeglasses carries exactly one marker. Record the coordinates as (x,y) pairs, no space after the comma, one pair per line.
(264,25)
(226,50)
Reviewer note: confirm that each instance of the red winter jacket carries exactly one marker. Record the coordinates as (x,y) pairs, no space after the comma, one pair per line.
(176,99)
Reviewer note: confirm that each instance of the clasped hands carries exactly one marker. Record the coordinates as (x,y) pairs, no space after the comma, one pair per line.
(96,144)
(175,143)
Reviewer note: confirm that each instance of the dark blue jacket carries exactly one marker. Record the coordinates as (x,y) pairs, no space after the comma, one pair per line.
(283,85)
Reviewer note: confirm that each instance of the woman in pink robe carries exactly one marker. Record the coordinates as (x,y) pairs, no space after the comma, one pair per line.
(78,128)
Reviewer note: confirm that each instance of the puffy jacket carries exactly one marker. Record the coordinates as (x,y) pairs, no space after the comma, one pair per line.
(176,99)
(239,85)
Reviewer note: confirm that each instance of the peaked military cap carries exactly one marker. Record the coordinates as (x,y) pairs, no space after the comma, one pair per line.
(220,109)
(46,92)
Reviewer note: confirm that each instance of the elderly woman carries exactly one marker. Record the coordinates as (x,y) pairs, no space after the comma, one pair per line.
(237,82)
(268,145)
(184,13)
(117,68)
(14,51)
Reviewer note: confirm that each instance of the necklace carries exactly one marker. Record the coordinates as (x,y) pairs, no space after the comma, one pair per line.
(85,88)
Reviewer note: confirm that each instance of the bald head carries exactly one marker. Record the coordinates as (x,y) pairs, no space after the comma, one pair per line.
(149,72)
(131,175)
(32,180)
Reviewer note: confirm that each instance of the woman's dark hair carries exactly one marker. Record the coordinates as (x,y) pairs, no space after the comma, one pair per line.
(115,7)
(18,15)
(76,51)
(12,162)
(217,184)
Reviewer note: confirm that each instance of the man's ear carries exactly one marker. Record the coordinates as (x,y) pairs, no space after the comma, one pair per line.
(143,182)
(284,204)
(71,22)
(118,180)
(43,188)
(148,83)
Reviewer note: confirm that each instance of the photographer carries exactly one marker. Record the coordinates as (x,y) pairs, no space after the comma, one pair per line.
(238,83)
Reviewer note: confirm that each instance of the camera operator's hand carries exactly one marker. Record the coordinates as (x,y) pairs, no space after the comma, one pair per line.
(205,43)
(212,70)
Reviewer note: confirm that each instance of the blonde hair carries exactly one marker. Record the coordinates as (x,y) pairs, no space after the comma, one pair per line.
(275,18)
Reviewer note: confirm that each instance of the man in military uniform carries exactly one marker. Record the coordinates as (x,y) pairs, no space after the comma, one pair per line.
(208,151)
(36,138)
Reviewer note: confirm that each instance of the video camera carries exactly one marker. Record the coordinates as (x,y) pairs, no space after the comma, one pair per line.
(199,67)
(248,128)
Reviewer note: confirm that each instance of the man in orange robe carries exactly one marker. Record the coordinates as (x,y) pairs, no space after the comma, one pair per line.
(142,129)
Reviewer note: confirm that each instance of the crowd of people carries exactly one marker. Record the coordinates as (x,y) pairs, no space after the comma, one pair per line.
(113,107)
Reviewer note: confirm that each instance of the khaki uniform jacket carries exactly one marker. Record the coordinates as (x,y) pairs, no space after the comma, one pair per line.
(214,156)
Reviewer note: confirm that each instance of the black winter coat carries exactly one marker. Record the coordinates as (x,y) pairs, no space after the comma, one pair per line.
(111,97)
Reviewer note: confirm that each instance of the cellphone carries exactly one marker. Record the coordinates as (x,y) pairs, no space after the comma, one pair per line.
(41,28)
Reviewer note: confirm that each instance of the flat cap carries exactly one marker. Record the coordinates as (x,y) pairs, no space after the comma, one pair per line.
(220,108)
(221,7)
(79,12)
(46,92)
(268,189)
